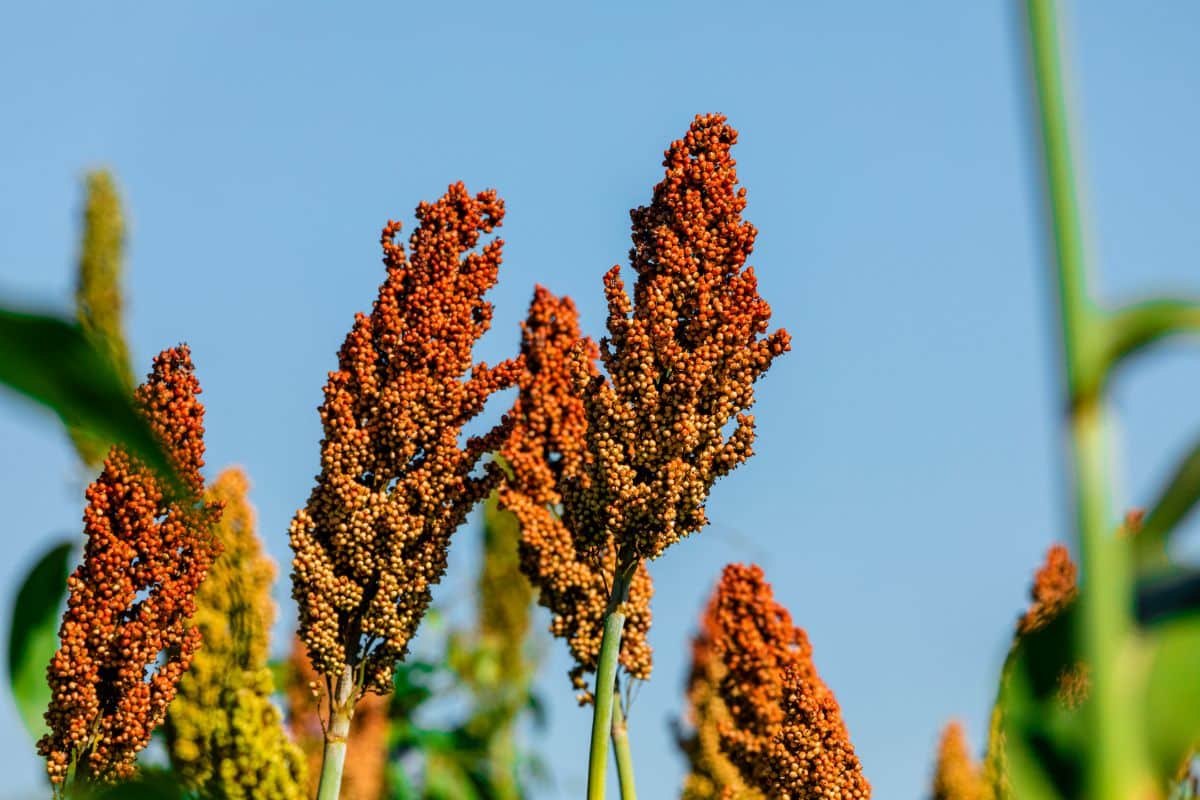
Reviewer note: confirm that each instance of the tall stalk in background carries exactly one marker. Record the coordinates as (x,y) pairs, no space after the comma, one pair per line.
(1113,750)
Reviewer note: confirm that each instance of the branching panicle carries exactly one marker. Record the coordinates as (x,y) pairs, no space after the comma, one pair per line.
(126,637)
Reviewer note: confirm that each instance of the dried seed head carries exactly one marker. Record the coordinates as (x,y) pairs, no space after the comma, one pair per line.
(394,482)
(1054,588)
(681,359)
(958,775)
(125,638)
(546,450)
(785,733)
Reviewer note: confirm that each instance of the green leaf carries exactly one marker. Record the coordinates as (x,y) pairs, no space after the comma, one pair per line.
(1172,701)
(33,634)
(54,363)
(1175,502)
(1044,733)
(1137,326)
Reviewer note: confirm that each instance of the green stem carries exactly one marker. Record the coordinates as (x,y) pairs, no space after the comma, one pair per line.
(606,678)
(341,710)
(620,739)
(1113,759)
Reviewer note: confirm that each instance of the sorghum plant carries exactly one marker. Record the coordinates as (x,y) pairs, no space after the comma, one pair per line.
(225,737)
(957,775)
(681,359)
(99,301)
(126,637)
(766,724)
(546,451)
(394,481)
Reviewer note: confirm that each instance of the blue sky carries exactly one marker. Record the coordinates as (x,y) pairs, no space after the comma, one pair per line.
(908,471)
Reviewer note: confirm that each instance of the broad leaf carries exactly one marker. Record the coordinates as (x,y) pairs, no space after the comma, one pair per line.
(53,363)
(1171,507)
(33,634)
(1172,702)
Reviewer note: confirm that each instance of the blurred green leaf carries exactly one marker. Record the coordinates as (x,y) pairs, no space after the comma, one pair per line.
(1171,507)
(53,363)
(1043,725)
(1172,703)
(33,634)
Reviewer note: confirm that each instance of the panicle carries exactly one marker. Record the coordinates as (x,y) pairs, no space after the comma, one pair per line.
(546,452)
(681,359)
(1054,588)
(505,596)
(957,775)
(125,638)
(711,775)
(394,482)
(99,303)
(785,733)
(224,734)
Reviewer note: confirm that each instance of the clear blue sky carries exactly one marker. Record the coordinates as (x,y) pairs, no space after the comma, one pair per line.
(907,476)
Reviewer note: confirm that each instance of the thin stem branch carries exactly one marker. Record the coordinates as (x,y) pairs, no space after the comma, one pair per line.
(621,749)
(606,677)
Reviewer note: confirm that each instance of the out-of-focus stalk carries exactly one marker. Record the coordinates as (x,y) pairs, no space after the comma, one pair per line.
(623,753)
(1113,755)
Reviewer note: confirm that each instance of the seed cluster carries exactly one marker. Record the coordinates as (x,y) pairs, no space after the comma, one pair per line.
(681,358)
(957,776)
(505,598)
(394,482)
(785,734)
(711,775)
(224,735)
(98,299)
(1054,588)
(547,452)
(126,638)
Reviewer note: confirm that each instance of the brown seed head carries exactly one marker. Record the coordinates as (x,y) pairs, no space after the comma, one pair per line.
(125,638)
(546,451)
(957,776)
(681,358)
(786,734)
(394,482)
(1054,588)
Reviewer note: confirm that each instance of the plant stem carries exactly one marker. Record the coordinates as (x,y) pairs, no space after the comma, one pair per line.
(341,710)
(620,739)
(1113,758)
(606,678)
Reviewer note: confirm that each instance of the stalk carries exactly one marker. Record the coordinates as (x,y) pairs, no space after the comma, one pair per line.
(606,678)
(341,710)
(1112,748)
(620,739)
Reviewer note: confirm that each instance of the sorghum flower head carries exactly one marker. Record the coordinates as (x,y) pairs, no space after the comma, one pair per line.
(1054,588)
(957,775)
(126,637)
(394,482)
(98,298)
(786,734)
(225,737)
(504,596)
(364,775)
(681,358)
(711,774)
(546,451)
